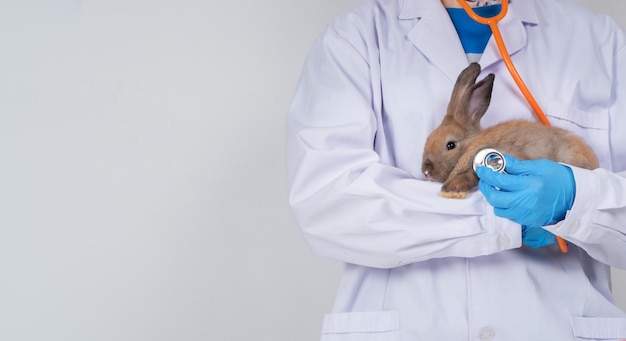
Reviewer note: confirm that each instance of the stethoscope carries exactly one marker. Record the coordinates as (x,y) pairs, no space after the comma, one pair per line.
(492,22)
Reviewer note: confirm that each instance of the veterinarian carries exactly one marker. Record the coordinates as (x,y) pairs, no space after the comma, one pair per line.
(376,82)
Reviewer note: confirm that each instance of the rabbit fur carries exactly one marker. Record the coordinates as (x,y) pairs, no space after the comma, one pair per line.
(450,148)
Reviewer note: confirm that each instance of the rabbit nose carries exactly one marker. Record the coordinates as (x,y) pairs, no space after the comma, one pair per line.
(428,175)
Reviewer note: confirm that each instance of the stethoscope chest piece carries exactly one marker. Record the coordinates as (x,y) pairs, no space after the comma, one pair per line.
(491,158)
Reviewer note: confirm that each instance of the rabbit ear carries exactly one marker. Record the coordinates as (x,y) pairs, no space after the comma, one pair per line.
(479,99)
(462,87)
(470,100)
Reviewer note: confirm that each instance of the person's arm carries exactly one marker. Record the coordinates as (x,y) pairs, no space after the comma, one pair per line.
(586,207)
(350,206)
(597,220)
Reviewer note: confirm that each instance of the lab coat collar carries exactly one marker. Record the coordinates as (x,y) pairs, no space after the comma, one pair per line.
(525,10)
(434,34)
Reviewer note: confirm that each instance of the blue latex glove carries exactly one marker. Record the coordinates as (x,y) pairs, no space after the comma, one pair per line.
(537,237)
(533,194)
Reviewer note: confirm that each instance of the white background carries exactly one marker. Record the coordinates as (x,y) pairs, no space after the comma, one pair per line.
(142,187)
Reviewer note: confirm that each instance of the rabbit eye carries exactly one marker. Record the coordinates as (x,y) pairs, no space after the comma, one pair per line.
(451,145)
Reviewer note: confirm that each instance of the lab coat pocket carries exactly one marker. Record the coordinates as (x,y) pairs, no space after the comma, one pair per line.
(592,127)
(362,326)
(599,328)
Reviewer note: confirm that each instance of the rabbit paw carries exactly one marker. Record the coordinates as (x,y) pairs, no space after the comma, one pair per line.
(454,195)
(456,188)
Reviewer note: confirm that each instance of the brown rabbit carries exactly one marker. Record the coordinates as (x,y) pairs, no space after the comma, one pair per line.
(450,149)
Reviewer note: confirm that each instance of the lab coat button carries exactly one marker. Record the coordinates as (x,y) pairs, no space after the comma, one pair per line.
(487,334)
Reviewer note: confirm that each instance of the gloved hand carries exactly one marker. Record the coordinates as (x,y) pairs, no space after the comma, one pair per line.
(536,237)
(532,193)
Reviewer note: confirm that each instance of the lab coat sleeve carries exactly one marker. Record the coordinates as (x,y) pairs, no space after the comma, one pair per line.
(597,220)
(349,205)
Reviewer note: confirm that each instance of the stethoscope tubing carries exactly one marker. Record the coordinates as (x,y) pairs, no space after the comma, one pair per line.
(497,35)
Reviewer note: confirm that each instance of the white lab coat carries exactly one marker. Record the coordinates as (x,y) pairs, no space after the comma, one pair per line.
(421,267)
